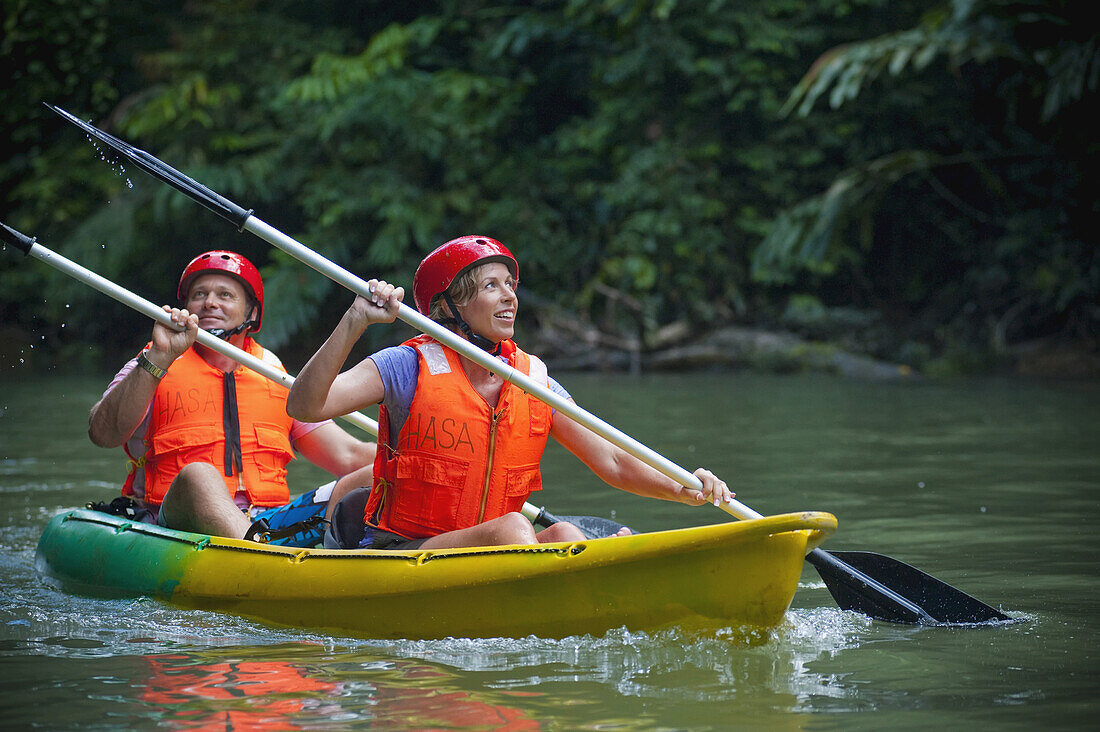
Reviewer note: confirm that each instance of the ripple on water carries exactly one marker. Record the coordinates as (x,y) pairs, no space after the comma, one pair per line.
(702,663)
(638,663)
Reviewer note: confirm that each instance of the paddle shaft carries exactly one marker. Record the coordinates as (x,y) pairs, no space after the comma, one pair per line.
(425,325)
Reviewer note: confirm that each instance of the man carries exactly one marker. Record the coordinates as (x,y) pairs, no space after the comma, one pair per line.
(208,439)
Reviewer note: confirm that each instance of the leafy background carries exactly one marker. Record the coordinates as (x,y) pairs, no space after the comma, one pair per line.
(913,182)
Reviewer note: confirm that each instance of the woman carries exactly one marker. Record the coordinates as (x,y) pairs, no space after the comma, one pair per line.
(459,447)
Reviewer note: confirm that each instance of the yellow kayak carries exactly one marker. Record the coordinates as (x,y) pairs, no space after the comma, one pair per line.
(738,573)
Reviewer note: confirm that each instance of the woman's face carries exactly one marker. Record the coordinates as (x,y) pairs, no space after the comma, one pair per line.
(492,311)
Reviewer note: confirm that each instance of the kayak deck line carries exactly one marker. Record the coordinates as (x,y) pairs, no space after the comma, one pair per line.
(242,545)
(300,554)
(735,573)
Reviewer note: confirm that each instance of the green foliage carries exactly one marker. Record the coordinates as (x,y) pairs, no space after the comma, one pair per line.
(806,237)
(1003,153)
(1065,68)
(640,156)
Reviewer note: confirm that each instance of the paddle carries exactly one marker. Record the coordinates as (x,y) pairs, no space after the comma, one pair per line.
(873,590)
(592,526)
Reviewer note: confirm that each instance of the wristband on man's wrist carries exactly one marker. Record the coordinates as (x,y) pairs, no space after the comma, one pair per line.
(156,371)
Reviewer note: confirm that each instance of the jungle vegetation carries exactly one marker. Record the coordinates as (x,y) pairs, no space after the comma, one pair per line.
(909,179)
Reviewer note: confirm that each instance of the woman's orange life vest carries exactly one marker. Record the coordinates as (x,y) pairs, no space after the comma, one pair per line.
(186,426)
(457,462)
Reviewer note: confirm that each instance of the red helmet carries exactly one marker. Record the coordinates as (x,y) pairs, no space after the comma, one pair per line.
(438,270)
(229,263)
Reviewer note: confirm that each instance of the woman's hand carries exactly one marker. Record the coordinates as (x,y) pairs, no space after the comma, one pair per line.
(714,490)
(381,307)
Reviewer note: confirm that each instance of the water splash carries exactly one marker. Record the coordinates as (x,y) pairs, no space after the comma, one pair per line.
(110,157)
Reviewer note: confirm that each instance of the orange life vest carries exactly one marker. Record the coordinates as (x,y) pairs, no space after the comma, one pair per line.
(458,462)
(186,426)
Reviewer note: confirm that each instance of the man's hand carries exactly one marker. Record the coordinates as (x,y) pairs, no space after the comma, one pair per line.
(168,343)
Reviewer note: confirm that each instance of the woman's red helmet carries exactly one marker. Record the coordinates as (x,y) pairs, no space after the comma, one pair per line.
(229,263)
(438,270)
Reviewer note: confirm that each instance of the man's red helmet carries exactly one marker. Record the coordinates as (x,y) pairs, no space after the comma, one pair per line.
(438,270)
(229,263)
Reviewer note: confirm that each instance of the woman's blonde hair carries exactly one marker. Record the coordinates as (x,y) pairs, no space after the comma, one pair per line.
(462,290)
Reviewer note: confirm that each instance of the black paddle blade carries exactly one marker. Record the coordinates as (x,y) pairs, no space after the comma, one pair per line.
(593,527)
(886,589)
(161,170)
(20,241)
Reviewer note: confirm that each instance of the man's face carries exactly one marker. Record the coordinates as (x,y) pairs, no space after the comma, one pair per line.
(219,300)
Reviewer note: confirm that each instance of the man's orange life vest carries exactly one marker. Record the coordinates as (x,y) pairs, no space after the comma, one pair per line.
(187,425)
(457,462)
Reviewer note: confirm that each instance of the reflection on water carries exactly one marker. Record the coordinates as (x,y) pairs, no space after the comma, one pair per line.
(189,679)
(238,694)
(203,690)
(988,485)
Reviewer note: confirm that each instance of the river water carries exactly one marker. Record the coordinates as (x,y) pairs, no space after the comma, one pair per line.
(989,485)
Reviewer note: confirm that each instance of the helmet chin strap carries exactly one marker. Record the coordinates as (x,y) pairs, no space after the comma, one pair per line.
(225,335)
(478,340)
